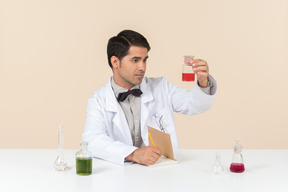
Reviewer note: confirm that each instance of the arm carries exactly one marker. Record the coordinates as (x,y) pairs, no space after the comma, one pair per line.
(201,97)
(101,143)
(103,146)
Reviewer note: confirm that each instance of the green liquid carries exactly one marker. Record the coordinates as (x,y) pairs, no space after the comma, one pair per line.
(84,165)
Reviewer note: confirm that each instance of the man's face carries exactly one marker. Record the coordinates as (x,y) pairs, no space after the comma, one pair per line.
(131,69)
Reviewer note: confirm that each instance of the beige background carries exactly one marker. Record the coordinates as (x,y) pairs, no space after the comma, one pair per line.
(53,57)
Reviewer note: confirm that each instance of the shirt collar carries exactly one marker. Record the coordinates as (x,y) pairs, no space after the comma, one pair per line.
(118,89)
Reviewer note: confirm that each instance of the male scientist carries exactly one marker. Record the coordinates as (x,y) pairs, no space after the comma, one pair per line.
(118,114)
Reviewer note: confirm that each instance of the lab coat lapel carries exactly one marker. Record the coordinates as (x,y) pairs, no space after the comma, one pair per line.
(118,118)
(146,98)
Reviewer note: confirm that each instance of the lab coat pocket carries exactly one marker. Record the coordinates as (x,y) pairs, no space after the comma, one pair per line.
(164,120)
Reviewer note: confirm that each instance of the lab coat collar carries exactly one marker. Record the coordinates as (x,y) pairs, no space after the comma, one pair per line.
(111,101)
(112,105)
(146,99)
(147,93)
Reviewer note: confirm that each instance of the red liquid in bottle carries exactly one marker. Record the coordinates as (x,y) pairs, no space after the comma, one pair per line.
(237,167)
(188,76)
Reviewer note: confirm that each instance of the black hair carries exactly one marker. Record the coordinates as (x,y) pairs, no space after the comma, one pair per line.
(119,45)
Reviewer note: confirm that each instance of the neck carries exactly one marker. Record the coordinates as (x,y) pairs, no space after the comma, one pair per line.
(122,84)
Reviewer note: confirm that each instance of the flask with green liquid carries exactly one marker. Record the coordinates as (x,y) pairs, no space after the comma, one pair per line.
(84,160)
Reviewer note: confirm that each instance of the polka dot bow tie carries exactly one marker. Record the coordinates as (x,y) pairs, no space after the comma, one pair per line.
(124,95)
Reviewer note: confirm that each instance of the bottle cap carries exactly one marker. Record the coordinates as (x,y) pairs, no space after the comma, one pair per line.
(84,143)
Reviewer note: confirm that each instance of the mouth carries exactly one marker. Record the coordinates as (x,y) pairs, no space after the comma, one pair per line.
(139,75)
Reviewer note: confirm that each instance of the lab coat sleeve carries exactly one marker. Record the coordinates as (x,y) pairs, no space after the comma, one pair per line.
(191,102)
(100,144)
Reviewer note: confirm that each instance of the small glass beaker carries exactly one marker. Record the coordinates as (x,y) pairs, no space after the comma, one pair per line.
(187,70)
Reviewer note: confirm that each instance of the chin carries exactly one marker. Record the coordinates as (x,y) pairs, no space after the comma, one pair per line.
(138,81)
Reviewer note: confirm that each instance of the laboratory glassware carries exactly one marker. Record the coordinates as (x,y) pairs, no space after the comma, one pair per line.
(60,164)
(237,165)
(218,168)
(187,70)
(84,161)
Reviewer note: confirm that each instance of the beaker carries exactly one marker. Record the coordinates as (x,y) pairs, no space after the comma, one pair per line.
(84,160)
(187,70)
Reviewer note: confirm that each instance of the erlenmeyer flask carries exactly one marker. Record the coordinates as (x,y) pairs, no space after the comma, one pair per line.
(60,164)
(218,168)
(237,165)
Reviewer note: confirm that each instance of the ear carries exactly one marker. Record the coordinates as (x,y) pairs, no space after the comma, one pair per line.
(115,62)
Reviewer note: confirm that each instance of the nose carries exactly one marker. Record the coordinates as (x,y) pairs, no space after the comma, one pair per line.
(142,66)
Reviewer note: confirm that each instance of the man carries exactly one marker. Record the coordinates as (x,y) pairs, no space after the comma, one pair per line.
(118,114)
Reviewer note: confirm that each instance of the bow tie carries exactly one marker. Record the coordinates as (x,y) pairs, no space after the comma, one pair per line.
(124,95)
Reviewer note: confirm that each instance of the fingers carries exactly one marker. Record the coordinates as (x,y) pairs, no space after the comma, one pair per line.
(200,65)
(156,150)
(147,155)
(154,156)
(201,69)
(151,160)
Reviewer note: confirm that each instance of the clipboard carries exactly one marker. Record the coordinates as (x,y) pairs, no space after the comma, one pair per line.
(162,141)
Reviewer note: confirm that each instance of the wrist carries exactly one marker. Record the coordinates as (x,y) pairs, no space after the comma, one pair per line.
(204,84)
(130,157)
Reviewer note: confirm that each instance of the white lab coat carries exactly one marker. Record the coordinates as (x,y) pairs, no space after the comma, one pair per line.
(106,128)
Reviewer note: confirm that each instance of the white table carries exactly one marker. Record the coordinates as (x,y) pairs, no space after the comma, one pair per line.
(32,170)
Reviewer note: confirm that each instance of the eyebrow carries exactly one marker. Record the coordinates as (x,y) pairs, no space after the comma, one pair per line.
(139,57)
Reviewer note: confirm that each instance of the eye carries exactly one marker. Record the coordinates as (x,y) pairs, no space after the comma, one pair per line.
(134,60)
(145,59)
